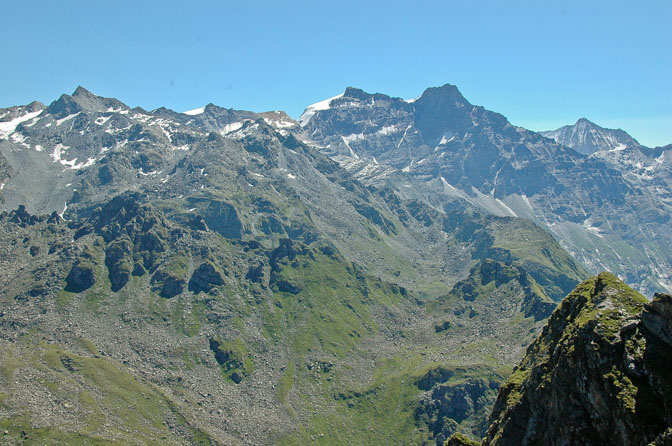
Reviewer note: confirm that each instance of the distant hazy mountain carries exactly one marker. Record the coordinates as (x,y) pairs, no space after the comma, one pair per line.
(439,148)
(587,137)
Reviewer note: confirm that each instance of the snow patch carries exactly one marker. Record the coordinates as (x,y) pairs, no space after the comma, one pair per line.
(587,225)
(232,127)
(194,112)
(403,136)
(290,176)
(67,118)
(6,128)
(31,123)
(452,188)
(279,124)
(141,117)
(346,141)
(445,140)
(388,129)
(58,152)
(18,138)
(310,111)
(353,137)
(101,120)
(57,156)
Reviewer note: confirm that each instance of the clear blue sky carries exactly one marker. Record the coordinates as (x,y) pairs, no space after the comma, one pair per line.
(540,63)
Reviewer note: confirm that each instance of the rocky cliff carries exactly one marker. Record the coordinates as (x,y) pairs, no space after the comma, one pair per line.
(598,373)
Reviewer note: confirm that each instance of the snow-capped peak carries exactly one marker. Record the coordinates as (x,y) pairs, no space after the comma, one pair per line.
(310,111)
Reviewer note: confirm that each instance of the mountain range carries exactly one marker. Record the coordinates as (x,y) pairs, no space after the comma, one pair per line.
(370,272)
(609,209)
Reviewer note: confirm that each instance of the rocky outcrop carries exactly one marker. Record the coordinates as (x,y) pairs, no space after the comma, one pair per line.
(134,234)
(80,278)
(223,218)
(205,277)
(233,358)
(458,439)
(490,274)
(598,374)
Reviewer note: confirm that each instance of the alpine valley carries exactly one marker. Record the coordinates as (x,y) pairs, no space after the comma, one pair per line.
(371,273)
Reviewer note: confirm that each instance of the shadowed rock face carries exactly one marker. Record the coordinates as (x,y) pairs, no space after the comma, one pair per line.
(81,277)
(598,374)
(205,277)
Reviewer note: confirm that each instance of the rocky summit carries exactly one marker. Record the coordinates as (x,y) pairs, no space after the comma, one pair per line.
(597,375)
(365,274)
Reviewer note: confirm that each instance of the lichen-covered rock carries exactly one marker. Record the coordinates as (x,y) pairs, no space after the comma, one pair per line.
(459,439)
(597,375)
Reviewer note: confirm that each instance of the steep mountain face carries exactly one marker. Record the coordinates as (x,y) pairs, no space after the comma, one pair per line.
(587,137)
(439,148)
(598,374)
(233,285)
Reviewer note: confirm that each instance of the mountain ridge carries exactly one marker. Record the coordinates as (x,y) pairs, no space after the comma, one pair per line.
(263,282)
(247,284)
(444,148)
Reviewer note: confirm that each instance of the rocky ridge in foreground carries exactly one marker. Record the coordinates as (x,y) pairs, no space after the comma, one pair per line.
(598,374)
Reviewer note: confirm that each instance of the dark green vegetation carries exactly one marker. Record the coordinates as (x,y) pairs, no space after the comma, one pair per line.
(597,375)
(238,287)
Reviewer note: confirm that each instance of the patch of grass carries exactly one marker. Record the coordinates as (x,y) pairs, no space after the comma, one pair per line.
(381,412)
(114,407)
(8,363)
(88,346)
(184,318)
(286,383)
(21,431)
(329,310)
(233,358)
